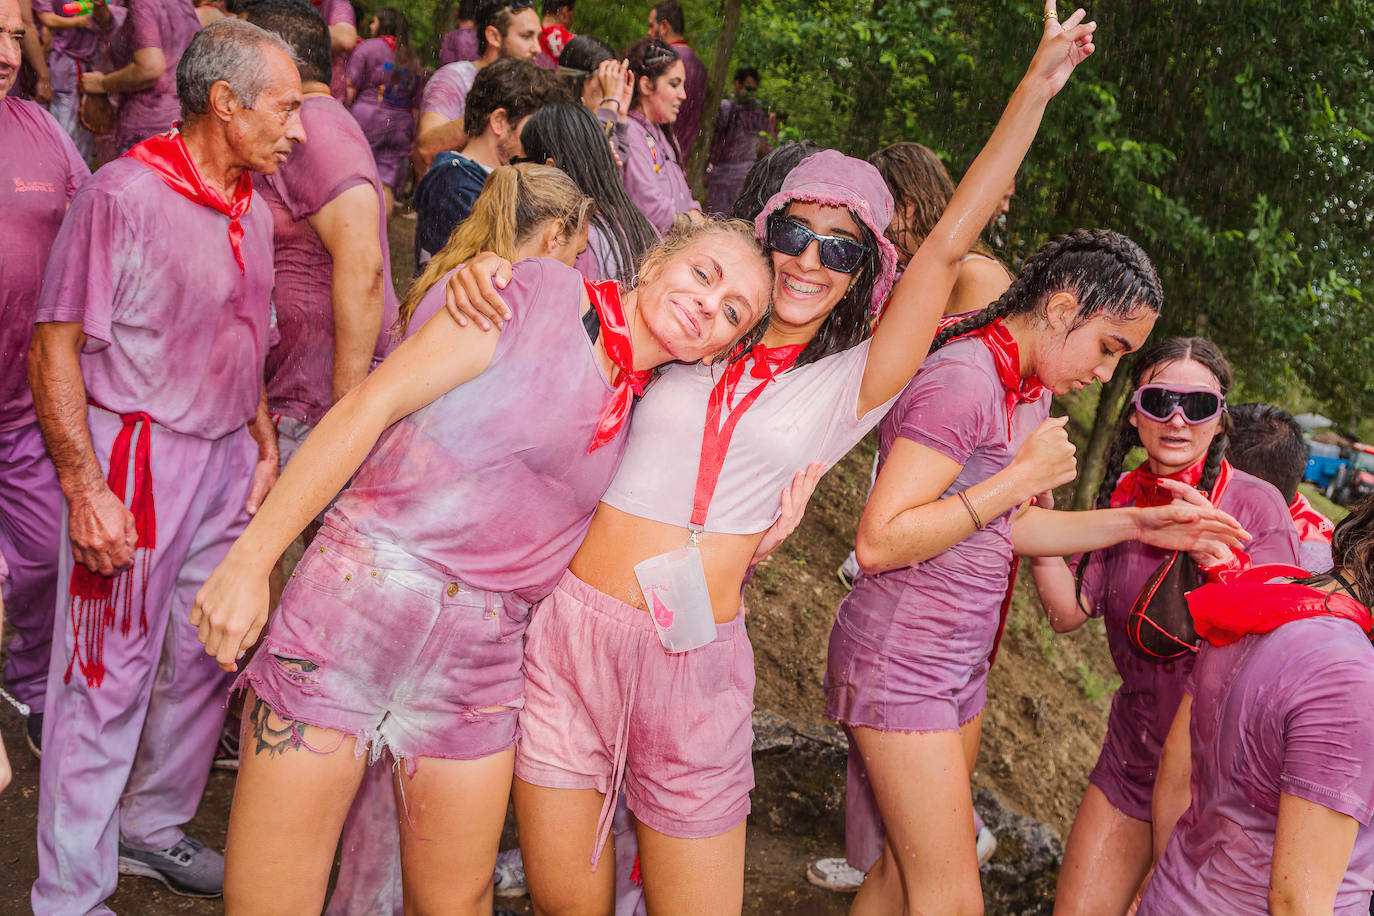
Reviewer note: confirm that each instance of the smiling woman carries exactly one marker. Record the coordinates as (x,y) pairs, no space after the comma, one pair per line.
(654,176)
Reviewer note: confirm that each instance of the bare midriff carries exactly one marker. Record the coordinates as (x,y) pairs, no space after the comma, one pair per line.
(618,540)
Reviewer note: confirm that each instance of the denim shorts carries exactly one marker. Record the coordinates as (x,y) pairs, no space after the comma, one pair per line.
(372,642)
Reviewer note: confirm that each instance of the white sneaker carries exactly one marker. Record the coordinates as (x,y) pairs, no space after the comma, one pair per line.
(987,845)
(834,875)
(510,874)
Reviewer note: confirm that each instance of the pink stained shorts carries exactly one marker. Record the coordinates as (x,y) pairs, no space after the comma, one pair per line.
(604,698)
(371,642)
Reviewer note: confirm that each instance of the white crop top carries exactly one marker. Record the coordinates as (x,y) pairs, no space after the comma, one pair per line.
(806,414)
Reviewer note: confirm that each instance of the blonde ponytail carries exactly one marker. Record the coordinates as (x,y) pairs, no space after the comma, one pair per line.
(514,203)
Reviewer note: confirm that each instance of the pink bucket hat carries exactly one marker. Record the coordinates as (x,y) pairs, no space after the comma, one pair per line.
(831,177)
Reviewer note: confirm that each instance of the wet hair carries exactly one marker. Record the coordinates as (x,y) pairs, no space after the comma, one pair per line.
(1267,442)
(498,14)
(514,84)
(741,230)
(921,189)
(1352,553)
(1127,437)
(743,73)
(231,51)
(302,27)
(650,58)
(1107,272)
(568,134)
(515,203)
(548,7)
(584,53)
(670,12)
(766,176)
(467,11)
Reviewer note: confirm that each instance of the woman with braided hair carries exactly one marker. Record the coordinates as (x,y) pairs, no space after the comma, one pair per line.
(698,491)
(1178,414)
(963,451)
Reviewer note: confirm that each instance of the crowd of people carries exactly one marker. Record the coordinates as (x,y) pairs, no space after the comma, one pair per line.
(530,489)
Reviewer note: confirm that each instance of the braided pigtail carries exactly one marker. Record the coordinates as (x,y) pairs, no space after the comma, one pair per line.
(1107,272)
(1216,453)
(1126,438)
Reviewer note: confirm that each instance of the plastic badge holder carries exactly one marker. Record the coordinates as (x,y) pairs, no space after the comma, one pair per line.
(674,586)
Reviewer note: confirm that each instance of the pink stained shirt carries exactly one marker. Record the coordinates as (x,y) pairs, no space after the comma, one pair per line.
(1144,706)
(653,174)
(169,26)
(1281,713)
(42,170)
(446,93)
(458,45)
(806,414)
(177,332)
(492,482)
(334,158)
(82,44)
(956,406)
(338,12)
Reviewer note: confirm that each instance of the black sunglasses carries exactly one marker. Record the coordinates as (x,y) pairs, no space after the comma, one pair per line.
(1160,403)
(837,252)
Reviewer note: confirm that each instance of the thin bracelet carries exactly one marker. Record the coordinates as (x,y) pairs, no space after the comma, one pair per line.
(973,513)
(616,101)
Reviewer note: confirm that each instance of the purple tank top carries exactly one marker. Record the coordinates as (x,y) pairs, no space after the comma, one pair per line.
(492,482)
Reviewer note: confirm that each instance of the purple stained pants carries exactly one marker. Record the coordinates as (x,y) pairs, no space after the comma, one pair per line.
(129,759)
(30,535)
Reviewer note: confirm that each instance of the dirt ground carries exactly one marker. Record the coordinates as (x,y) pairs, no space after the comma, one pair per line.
(1046,714)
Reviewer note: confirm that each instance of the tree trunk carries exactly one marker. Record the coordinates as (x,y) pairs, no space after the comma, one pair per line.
(715,90)
(1090,468)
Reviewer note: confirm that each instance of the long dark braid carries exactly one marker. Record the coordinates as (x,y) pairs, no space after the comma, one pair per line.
(1108,272)
(1151,358)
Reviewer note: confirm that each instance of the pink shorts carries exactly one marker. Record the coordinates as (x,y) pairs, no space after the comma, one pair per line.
(374,643)
(605,701)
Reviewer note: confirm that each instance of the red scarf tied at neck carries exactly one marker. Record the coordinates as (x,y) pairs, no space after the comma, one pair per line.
(1311,524)
(390,42)
(1006,355)
(723,414)
(1142,487)
(167,155)
(615,338)
(1248,603)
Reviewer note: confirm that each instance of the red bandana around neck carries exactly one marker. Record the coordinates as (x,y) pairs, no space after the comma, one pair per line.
(1311,524)
(1007,357)
(1141,487)
(1249,603)
(723,414)
(390,42)
(615,337)
(167,155)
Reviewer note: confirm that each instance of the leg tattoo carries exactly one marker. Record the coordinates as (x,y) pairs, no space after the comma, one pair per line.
(274,740)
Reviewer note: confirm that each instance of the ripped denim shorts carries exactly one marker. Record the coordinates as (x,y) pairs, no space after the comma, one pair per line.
(374,643)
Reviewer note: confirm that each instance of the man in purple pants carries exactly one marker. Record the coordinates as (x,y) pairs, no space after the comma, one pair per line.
(146,367)
(42,170)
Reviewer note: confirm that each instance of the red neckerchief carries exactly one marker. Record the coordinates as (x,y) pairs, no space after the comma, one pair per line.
(167,155)
(390,42)
(1248,603)
(94,603)
(615,338)
(553,39)
(763,363)
(1007,357)
(1311,524)
(1141,487)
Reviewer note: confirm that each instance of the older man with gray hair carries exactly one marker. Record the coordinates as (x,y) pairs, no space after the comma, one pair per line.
(146,367)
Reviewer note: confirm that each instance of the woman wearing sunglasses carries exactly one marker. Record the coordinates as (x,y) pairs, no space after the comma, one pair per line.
(709,454)
(1178,414)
